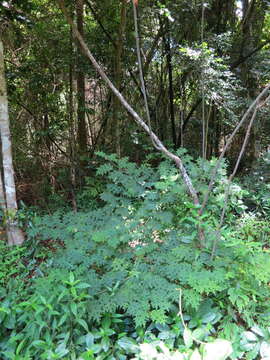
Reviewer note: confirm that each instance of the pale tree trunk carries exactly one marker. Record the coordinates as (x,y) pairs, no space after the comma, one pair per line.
(3,205)
(8,192)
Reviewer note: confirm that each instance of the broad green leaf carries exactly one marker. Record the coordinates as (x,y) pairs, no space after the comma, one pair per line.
(43,300)
(89,340)
(10,322)
(20,346)
(71,277)
(165,335)
(61,350)
(128,344)
(162,327)
(105,343)
(209,317)
(96,348)
(4,310)
(63,319)
(82,285)
(83,323)
(87,355)
(188,337)
(73,307)
(250,336)
(106,322)
(39,344)
(199,333)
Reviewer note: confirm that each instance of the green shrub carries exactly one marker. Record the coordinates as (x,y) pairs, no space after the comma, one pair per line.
(258,186)
(59,327)
(11,264)
(113,284)
(142,246)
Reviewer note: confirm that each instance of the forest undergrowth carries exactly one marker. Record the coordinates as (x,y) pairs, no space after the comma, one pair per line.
(125,277)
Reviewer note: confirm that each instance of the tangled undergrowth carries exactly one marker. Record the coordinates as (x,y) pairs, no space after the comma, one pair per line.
(110,287)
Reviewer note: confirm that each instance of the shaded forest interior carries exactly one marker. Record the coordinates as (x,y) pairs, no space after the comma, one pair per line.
(202,65)
(140,158)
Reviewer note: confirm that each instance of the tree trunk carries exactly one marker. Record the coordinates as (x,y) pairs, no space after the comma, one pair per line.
(8,192)
(3,205)
(254,15)
(118,76)
(155,140)
(82,131)
(167,48)
(72,130)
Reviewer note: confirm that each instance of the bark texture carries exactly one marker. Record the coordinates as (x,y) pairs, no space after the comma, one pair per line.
(119,75)
(8,192)
(82,129)
(158,144)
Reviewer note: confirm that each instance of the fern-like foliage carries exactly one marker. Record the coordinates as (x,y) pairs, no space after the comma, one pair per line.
(140,247)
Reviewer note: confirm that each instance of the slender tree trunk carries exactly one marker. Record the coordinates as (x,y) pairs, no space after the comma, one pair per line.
(155,140)
(72,130)
(82,131)
(252,24)
(3,205)
(119,75)
(7,190)
(157,143)
(167,48)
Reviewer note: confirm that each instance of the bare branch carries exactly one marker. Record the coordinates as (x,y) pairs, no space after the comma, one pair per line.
(214,173)
(177,160)
(139,59)
(227,192)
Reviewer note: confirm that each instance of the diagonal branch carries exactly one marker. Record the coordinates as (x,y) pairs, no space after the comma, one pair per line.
(242,59)
(139,59)
(149,56)
(177,160)
(233,66)
(255,103)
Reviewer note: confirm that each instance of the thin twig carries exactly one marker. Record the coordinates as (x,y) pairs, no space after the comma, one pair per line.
(176,159)
(180,314)
(139,59)
(203,89)
(218,164)
(227,194)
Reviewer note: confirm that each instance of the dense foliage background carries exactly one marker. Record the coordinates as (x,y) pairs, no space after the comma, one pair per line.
(119,262)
